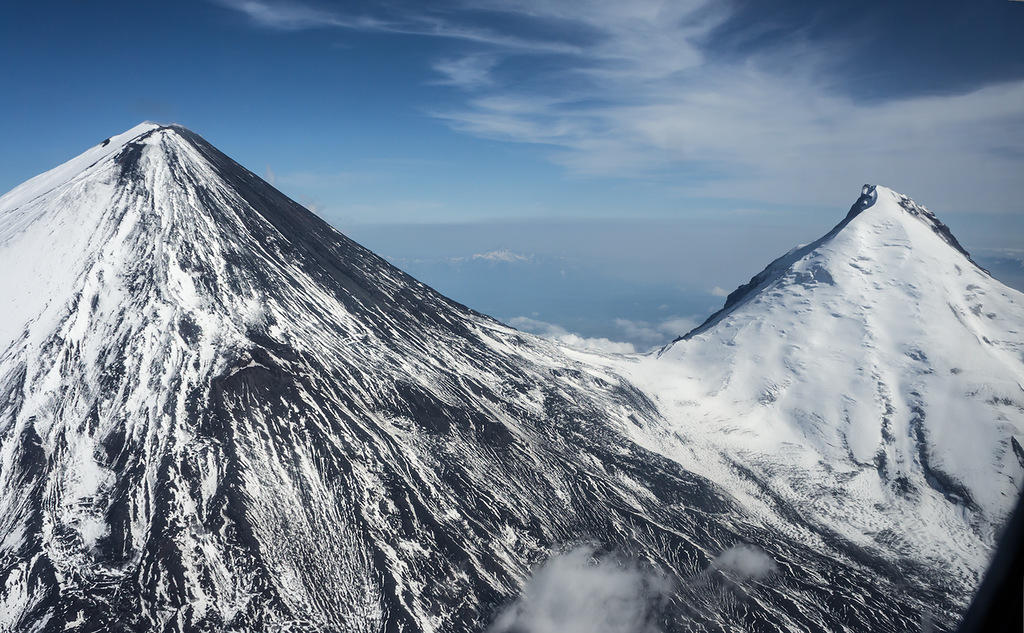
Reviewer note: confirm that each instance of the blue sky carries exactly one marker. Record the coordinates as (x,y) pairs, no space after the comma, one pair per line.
(717,129)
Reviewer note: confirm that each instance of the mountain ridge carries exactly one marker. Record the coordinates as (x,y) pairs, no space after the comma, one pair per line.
(884,363)
(219,413)
(866,201)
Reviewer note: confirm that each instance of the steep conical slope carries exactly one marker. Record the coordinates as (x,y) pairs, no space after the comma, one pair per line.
(221,413)
(872,379)
(218,413)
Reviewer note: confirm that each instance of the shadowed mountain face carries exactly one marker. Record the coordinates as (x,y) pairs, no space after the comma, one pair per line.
(218,413)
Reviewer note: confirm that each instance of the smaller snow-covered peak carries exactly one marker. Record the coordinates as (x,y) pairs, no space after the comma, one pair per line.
(880,352)
(868,197)
(881,220)
(879,205)
(885,200)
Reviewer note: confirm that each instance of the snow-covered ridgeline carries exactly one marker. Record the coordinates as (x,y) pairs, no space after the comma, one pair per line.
(219,412)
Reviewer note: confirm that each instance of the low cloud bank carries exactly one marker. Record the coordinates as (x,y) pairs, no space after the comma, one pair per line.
(639,336)
(744,562)
(562,335)
(579,592)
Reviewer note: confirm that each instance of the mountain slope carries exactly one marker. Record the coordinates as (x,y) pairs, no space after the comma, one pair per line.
(872,379)
(216,394)
(218,413)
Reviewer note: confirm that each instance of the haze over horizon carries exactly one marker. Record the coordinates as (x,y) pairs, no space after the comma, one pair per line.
(633,162)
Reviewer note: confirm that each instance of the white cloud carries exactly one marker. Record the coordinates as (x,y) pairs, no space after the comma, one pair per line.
(718,291)
(288,16)
(652,104)
(636,335)
(771,137)
(745,562)
(578,593)
(506,256)
(560,334)
(469,72)
(294,16)
(651,335)
(623,89)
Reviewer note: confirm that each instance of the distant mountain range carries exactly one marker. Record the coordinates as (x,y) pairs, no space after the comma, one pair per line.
(217,413)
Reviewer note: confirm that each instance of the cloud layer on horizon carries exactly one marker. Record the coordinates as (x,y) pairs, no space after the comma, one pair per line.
(630,336)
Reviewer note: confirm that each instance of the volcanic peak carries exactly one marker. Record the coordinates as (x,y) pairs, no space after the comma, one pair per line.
(877,221)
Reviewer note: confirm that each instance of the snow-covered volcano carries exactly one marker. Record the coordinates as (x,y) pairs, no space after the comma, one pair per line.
(874,379)
(218,413)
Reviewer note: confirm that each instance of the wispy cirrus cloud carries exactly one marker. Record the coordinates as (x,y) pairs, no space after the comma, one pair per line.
(438,21)
(292,16)
(468,72)
(630,90)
